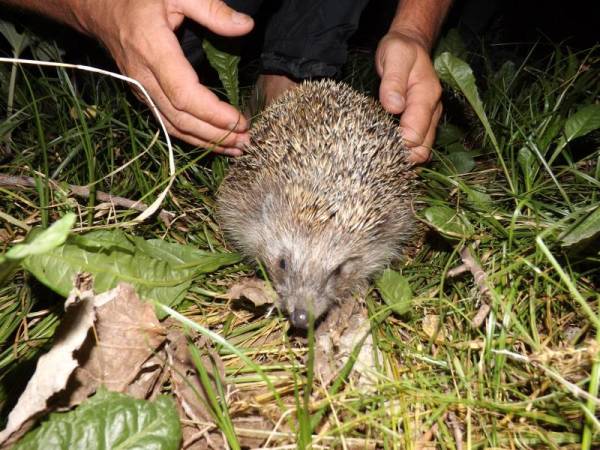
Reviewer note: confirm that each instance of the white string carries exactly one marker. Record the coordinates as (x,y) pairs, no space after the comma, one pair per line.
(156,204)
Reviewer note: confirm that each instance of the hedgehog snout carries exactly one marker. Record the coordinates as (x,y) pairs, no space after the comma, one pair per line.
(299,318)
(301,306)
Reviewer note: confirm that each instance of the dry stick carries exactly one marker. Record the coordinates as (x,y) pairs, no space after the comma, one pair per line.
(84,192)
(456,430)
(480,278)
(425,438)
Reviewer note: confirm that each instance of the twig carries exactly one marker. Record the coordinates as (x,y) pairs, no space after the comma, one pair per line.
(15,181)
(456,430)
(426,437)
(480,278)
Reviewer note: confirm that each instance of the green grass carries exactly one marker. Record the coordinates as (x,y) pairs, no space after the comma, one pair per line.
(516,187)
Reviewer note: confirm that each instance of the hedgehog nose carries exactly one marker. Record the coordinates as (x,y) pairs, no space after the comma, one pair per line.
(299,319)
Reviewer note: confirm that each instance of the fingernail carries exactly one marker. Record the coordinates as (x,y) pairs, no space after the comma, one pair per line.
(395,100)
(239,18)
(232,152)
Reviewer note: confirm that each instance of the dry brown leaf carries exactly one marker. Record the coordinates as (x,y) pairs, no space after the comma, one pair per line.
(127,335)
(336,338)
(55,367)
(252,431)
(255,290)
(431,326)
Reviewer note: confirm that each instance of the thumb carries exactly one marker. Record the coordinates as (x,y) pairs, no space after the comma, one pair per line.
(395,68)
(217,17)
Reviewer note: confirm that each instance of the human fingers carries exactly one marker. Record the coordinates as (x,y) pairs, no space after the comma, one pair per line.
(186,124)
(216,16)
(422,153)
(190,139)
(422,99)
(179,83)
(394,62)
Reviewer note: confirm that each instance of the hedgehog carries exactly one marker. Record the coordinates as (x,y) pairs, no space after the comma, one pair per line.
(322,197)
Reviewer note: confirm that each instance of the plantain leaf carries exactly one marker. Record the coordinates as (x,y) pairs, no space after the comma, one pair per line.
(584,121)
(458,75)
(478,197)
(462,161)
(529,165)
(453,43)
(448,222)
(583,230)
(18,41)
(43,241)
(448,134)
(395,291)
(226,66)
(158,270)
(109,420)
(38,242)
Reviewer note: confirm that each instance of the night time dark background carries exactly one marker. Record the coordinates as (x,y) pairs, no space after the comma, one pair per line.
(493,22)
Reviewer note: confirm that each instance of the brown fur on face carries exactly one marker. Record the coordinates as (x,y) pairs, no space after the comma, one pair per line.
(323,195)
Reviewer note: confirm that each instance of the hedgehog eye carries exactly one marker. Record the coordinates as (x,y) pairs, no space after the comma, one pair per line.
(337,271)
(282,264)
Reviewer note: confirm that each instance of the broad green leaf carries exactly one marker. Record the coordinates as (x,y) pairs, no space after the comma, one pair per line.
(457,73)
(18,41)
(447,134)
(585,229)
(226,66)
(448,222)
(105,240)
(584,121)
(158,270)
(184,256)
(453,43)
(478,197)
(462,161)
(527,162)
(551,130)
(44,241)
(109,420)
(395,291)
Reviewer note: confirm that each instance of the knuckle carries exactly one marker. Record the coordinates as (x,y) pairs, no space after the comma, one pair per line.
(179,98)
(178,121)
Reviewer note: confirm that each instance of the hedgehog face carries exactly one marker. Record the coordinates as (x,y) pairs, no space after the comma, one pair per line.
(310,278)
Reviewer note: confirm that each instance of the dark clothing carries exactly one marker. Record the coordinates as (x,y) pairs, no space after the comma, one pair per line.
(303,38)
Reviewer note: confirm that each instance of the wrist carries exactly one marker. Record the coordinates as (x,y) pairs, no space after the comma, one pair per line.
(420,20)
(409,33)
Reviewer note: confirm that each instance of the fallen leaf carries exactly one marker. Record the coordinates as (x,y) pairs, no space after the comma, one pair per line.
(431,327)
(255,290)
(55,367)
(127,335)
(336,338)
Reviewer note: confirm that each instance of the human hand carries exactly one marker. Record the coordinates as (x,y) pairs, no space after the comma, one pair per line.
(140,36)
(409,85)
